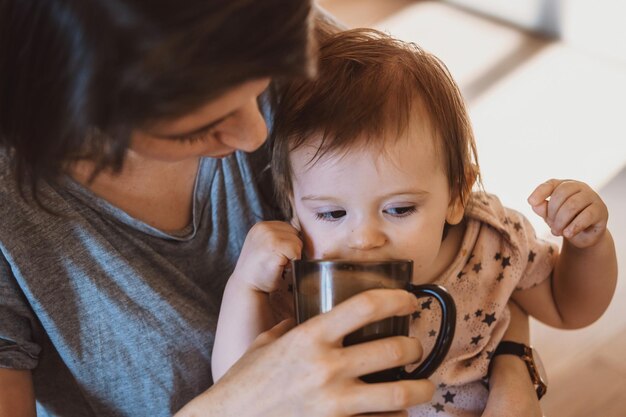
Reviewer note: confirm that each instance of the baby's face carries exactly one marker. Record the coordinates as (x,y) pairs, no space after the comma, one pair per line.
(372,205)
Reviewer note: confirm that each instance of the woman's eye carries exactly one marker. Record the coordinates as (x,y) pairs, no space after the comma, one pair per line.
(400,211)
(330,216)
(198,137)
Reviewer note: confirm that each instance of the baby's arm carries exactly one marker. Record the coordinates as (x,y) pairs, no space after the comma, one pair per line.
(585,275)
(245,310)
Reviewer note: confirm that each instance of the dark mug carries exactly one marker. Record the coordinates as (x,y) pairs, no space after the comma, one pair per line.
(319,285)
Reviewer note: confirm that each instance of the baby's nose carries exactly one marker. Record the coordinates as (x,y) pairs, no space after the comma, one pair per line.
(367,237)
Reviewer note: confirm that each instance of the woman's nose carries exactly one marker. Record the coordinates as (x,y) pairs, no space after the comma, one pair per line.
(366,237)
(252,129)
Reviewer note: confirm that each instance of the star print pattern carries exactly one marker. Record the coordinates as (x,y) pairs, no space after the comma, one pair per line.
(508,256)
(489,319)
(449,397)
(480,285)
(476,339)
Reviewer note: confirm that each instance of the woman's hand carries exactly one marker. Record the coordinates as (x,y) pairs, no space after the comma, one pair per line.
(511,392)
(305,371)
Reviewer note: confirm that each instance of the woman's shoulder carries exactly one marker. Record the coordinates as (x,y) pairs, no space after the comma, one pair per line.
(8,183)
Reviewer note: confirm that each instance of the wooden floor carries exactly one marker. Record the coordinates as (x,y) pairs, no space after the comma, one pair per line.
(586,368)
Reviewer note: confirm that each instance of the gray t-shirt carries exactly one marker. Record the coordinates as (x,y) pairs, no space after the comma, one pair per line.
(115,317)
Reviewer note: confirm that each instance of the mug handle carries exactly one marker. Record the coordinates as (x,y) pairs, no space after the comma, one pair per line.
(446,329)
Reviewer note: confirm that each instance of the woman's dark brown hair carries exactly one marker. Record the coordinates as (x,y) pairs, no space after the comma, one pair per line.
(368,86)
(77,75)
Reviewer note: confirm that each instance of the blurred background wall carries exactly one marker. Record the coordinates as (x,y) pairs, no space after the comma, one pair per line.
(545,84)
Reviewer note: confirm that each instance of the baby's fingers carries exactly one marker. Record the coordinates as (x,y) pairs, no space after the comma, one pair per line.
(587,228)
(542,192)
(562,212)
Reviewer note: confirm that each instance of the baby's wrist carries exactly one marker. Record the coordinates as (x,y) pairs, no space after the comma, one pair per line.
(239,284)
(600,240)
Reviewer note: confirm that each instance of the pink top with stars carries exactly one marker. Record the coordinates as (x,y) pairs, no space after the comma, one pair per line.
(499,254)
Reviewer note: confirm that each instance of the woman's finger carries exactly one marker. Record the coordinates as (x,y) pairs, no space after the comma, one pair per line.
(378,355)
(388,396)
(274,333)
(402,413)
(359,310)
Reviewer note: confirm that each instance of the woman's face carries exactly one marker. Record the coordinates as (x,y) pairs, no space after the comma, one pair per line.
(229,123)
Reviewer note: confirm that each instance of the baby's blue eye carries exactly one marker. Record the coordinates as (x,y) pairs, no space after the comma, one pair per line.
(330,215)
(400,211)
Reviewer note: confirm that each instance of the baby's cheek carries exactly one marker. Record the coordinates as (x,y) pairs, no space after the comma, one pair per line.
(310,250)
(318,250)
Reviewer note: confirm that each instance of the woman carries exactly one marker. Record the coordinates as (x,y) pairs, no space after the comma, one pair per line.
(125,200)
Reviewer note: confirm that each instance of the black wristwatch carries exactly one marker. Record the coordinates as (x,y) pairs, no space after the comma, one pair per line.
(532,361)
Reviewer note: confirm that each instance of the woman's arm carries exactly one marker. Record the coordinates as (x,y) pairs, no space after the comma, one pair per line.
(511,392)
(307,371)
(17,396)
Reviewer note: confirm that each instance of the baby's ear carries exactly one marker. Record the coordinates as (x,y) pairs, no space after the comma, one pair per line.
(456,211)
(456,208)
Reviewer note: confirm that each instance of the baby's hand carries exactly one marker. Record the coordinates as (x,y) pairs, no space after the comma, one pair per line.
(572,210)
(269,246)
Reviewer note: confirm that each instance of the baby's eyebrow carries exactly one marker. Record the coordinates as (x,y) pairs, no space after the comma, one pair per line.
(410,192)
(316,197)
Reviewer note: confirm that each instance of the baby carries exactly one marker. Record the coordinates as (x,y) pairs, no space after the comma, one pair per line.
(375,159)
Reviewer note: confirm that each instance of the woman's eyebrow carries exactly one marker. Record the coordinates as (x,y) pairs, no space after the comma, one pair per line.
(201,129)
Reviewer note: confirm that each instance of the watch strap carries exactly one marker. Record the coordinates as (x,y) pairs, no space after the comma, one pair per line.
(525,353)
(512,348)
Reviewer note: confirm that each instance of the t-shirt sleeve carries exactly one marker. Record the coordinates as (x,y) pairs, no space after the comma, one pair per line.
(540,255)
(18,350)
